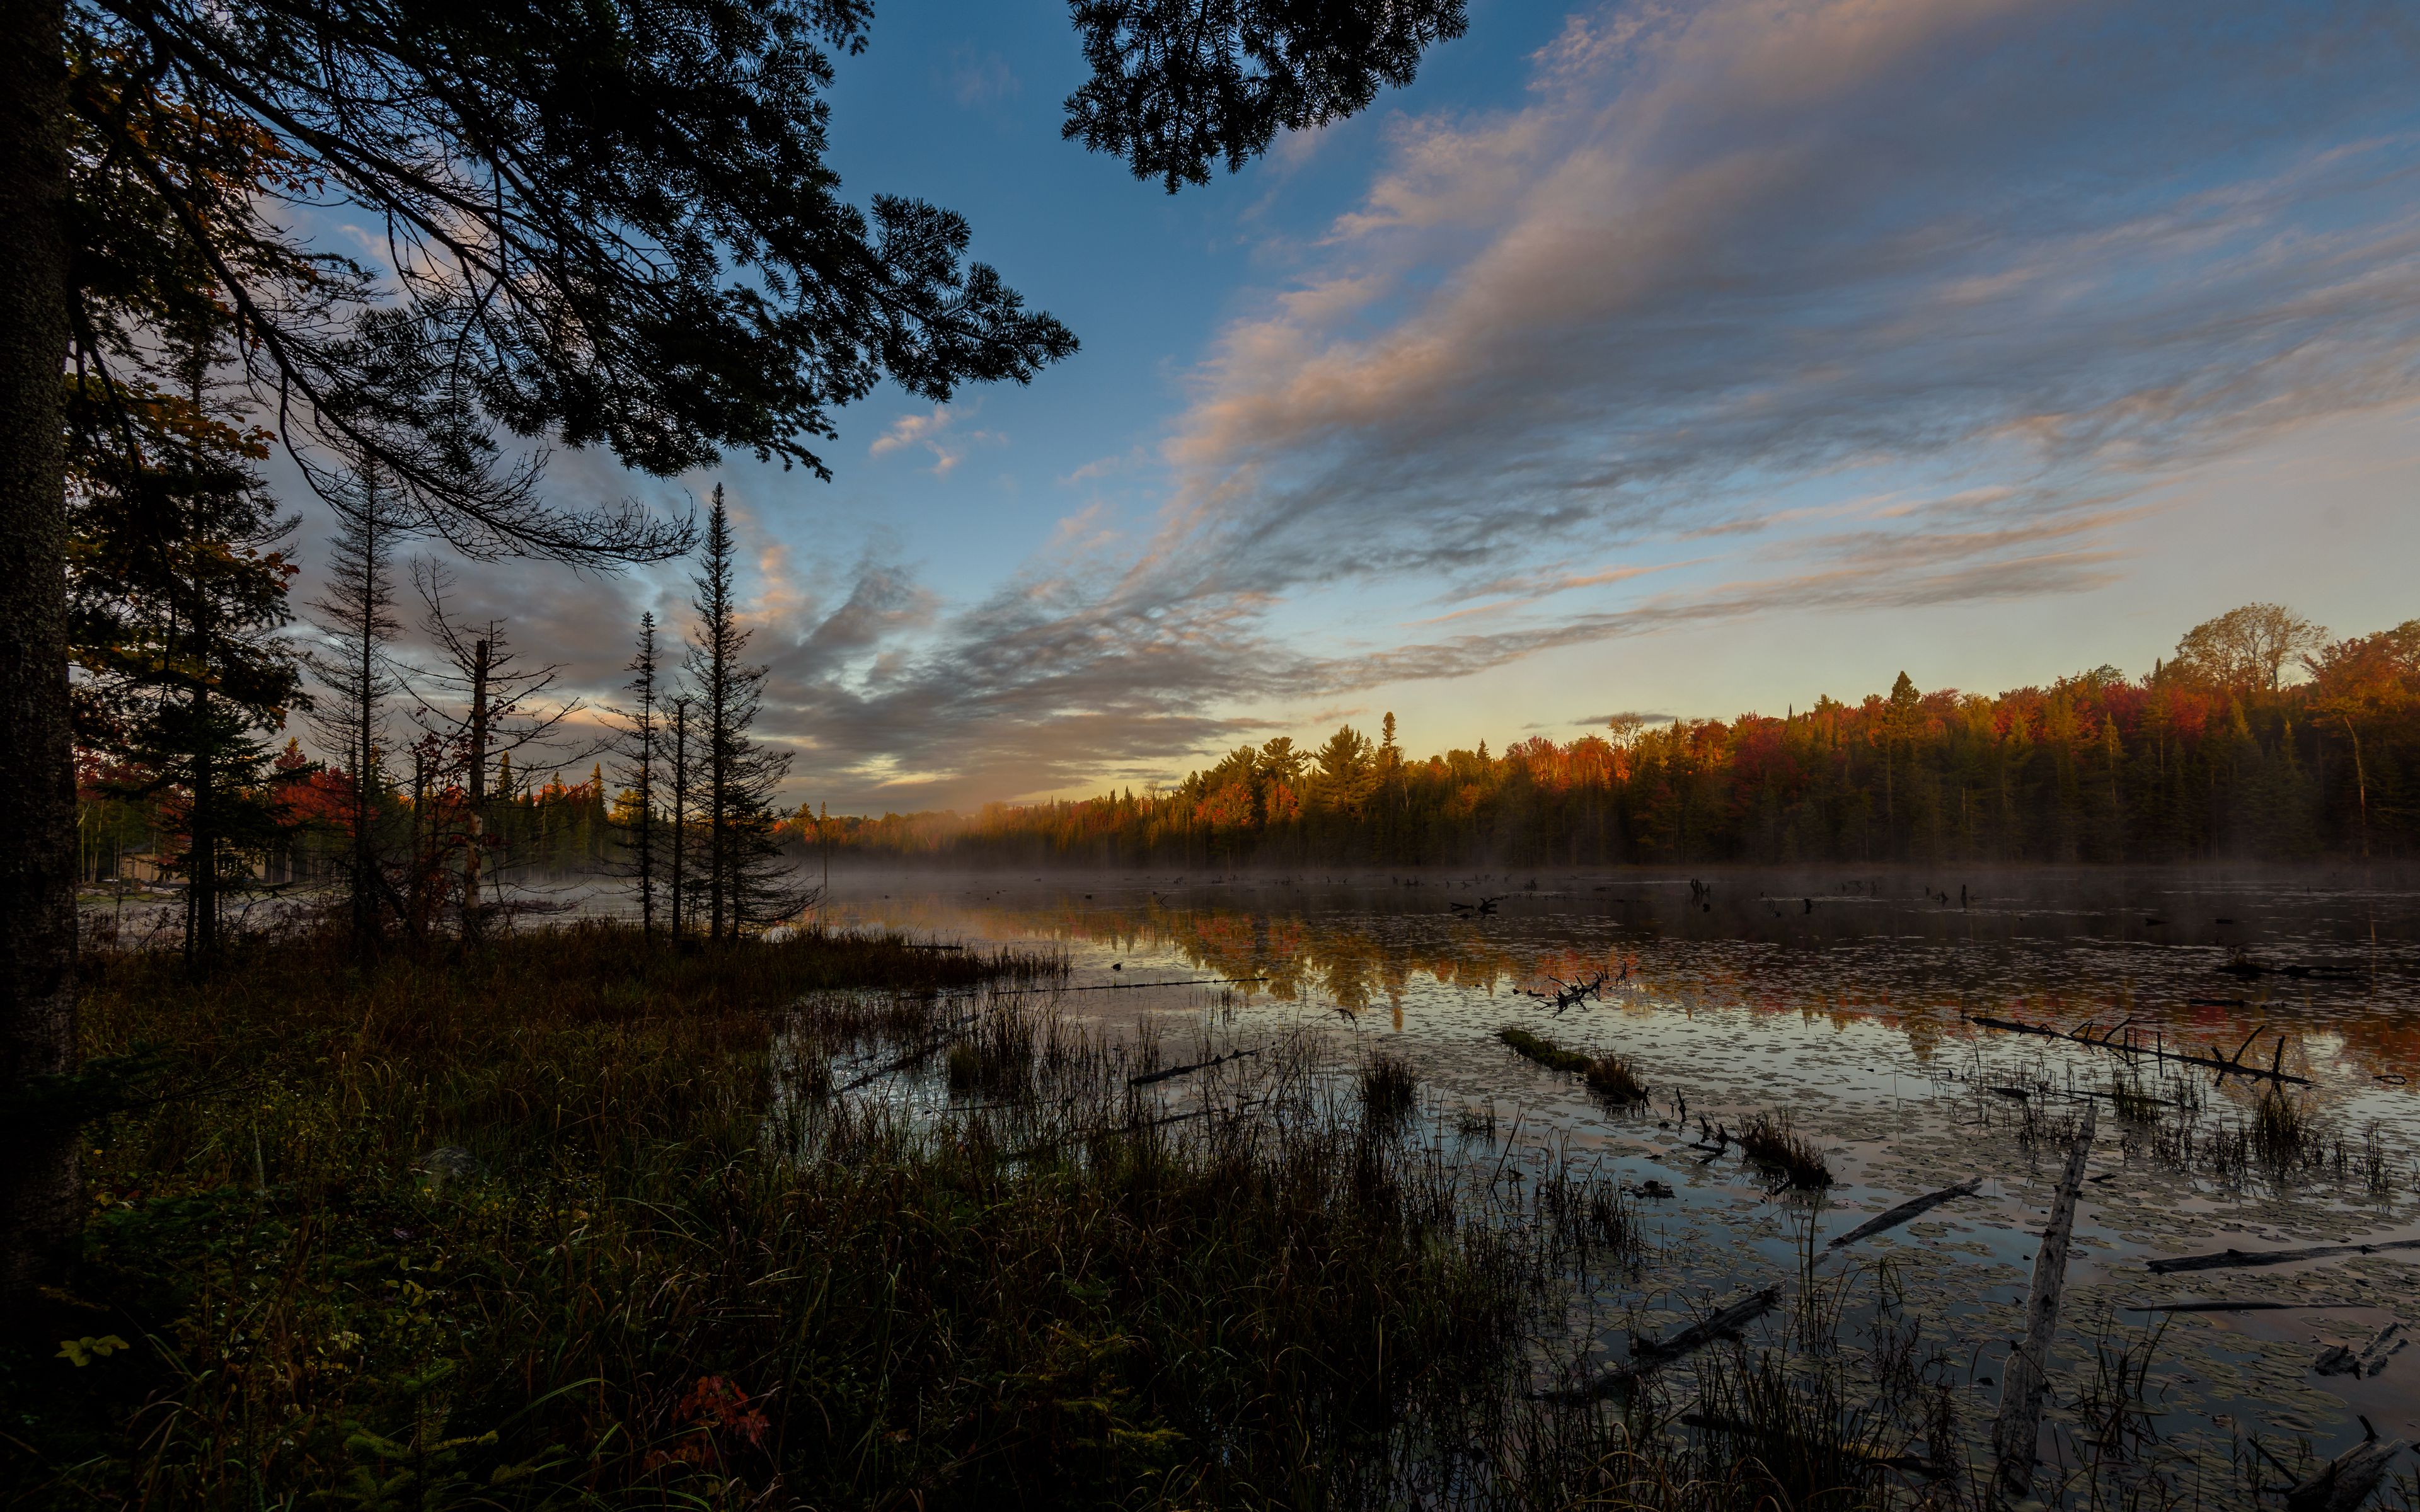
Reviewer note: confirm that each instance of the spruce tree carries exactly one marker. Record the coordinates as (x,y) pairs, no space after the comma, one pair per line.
(355,614)
(746,881)
(177,585)
(638,773)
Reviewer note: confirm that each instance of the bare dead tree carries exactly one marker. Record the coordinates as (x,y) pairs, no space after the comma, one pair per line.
(485,707)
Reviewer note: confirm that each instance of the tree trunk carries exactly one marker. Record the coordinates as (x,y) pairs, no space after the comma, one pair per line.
(479,790)
(40,1184)
(202,939)
(680,813)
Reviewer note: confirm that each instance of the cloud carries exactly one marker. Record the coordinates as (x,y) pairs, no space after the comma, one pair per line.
(1884,303)
(1732,247)
(981,77)
(934,433)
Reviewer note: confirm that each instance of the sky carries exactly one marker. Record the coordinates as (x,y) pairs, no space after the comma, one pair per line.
(1671,359)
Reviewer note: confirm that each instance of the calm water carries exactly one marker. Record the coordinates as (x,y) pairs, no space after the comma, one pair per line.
(1842,1001)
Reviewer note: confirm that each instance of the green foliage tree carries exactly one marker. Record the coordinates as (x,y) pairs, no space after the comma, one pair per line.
(177,583)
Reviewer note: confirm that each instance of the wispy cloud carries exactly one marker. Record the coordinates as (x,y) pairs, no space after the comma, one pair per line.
(935,433)
(1884,302)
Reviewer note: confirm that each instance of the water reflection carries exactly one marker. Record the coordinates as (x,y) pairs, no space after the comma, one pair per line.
(1843,1000)
(2335,966)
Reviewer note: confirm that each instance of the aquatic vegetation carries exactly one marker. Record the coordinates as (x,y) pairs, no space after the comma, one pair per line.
(1615,1080)
(1391,1087)
(1767,1143)
(680,1263)
(1543,1051)
(1609,1076)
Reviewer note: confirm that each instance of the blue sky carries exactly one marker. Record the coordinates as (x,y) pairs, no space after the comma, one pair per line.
(1683,359)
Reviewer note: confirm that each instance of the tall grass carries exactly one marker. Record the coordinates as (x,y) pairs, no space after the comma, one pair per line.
(671,1267)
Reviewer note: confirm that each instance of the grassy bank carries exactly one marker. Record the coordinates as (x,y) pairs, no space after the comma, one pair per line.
(837,1222)
(575,1222)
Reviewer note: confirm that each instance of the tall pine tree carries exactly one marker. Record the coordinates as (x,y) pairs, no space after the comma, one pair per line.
(355,616)
(747,884)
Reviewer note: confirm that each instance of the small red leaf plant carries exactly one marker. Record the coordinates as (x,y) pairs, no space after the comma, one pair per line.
(714,1412)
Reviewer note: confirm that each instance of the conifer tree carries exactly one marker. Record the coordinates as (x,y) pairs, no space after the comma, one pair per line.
(356,616)
(747,883)
(638,771)
(177,586)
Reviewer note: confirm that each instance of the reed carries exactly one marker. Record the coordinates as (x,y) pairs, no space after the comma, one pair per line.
(1767,1143)
(576,1219)
(1609,1076)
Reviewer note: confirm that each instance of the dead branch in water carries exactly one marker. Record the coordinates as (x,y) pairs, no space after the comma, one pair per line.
(2345,1482)
(1914,1206)
(1570,993)
(1149,1077)
(2026,1380)
(2224,1065)
(1650,1354)
(2237,1260)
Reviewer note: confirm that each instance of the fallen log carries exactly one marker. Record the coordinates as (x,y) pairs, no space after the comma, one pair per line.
(2345,1482)
(2026,1379)
(903,1062)
(1724,1324)
(1149,1077)
(1913,1208)
(1648,1355)
(2237,1259)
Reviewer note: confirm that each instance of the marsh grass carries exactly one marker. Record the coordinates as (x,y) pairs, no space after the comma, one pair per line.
(678,1263)
(1768,1143)
(1615,1080)
(674,1266)
(1390,1088)
(1609,1076)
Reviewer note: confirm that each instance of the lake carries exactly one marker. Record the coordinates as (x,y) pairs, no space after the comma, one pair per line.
(1845,1002)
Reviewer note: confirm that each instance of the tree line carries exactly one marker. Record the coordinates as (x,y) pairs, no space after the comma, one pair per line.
(2260,738)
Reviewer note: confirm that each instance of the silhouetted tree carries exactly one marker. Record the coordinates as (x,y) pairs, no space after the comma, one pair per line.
(747,883)
(486,707)
(176,587)
(637,772)
(612,224)
(355,615)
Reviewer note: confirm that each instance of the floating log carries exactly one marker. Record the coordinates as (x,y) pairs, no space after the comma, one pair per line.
(2026,1379)
(2345,1482)
(1648,1355)
(2225,1066)
(2248,1306)
(1724,1324)
(2237,1259)
(1914,1206)
(1131,987)
(903,1062)
(1149,1077)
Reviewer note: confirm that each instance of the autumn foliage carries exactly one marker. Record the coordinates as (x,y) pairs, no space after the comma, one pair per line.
(2259,739)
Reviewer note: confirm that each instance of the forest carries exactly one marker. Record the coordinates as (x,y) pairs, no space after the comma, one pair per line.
(2260,738)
